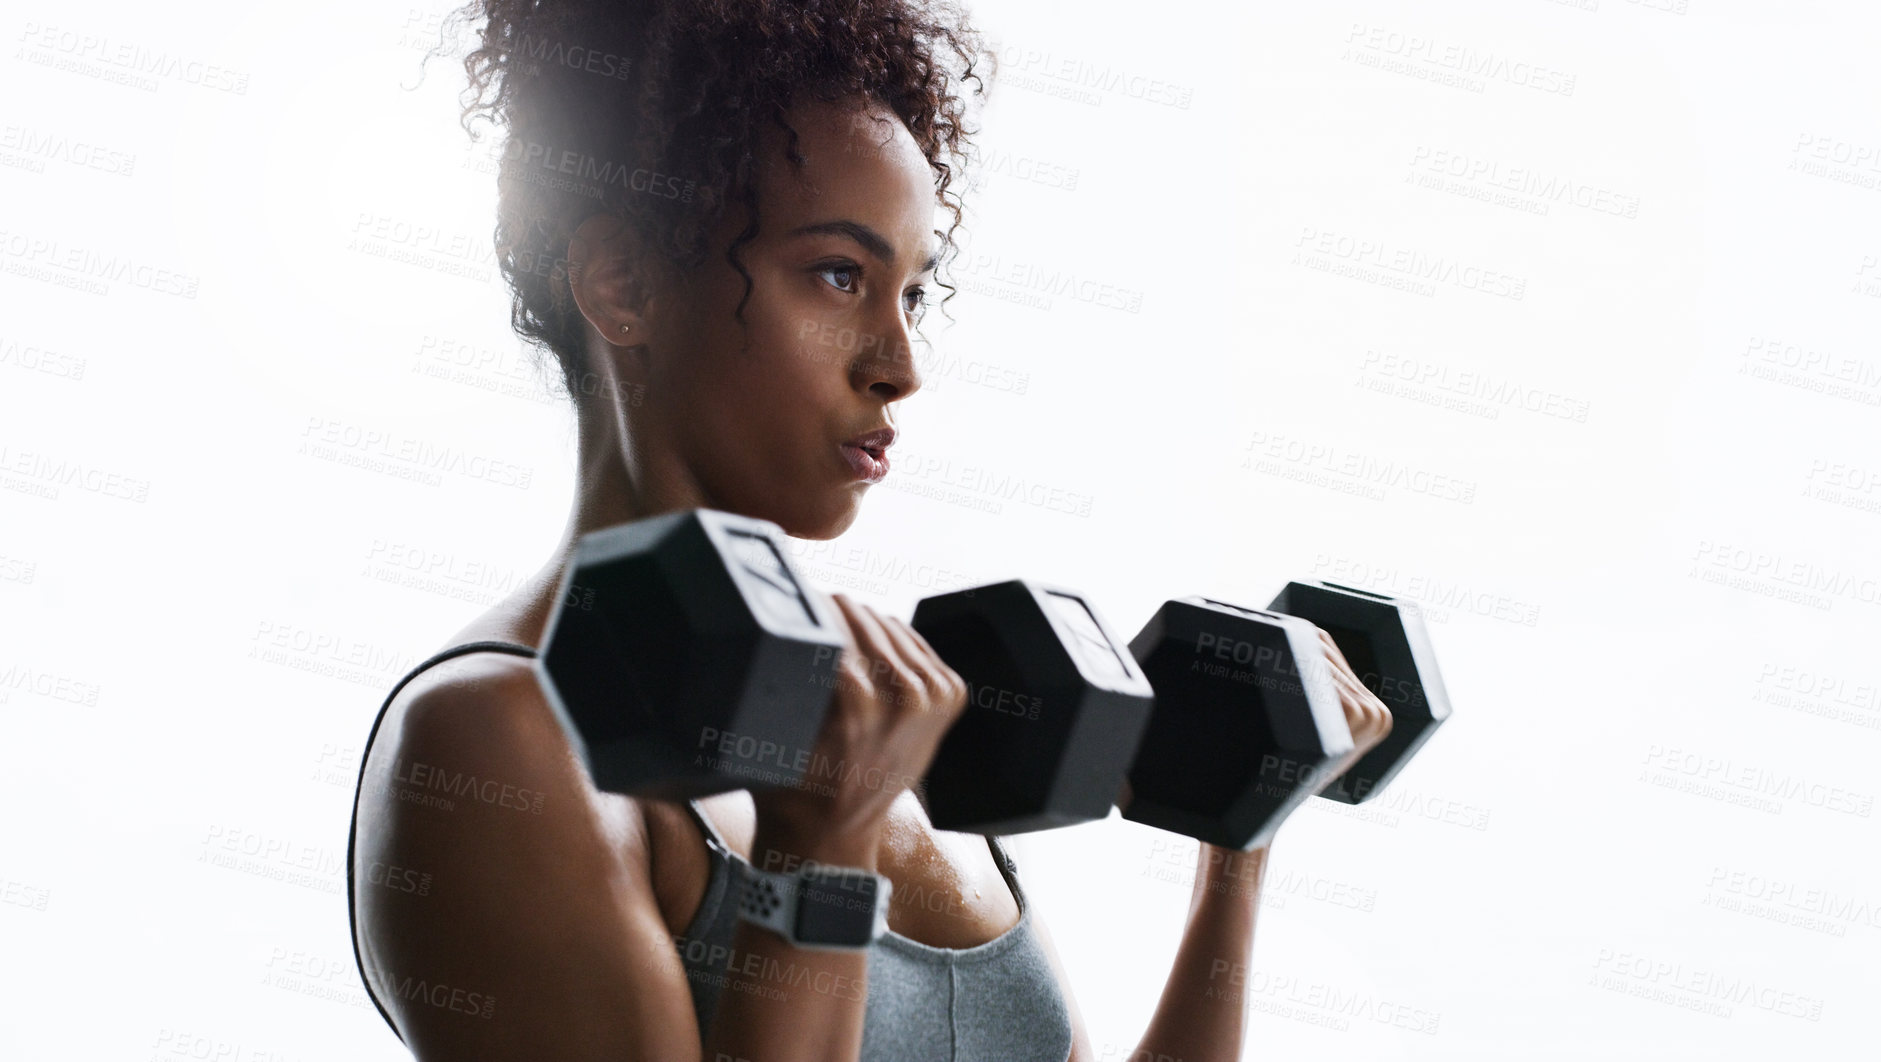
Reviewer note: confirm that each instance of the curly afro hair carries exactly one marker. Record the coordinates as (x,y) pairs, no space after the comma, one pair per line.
(650,110)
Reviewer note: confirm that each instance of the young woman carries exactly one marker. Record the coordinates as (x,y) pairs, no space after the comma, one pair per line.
(703,204)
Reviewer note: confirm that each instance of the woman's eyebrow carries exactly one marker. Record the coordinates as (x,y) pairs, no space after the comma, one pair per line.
(870,240)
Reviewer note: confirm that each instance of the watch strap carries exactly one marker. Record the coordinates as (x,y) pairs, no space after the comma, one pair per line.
(777,901)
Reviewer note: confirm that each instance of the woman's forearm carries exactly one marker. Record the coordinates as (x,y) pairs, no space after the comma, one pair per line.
(782,1003)
(1201,1013)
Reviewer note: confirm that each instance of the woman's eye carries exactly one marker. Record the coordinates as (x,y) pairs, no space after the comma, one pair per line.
(849,275)
(916,301)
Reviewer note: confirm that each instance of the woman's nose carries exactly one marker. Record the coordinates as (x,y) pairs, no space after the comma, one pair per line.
(886,367)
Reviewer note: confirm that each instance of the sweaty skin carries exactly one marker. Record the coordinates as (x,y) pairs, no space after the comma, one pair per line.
(685,407)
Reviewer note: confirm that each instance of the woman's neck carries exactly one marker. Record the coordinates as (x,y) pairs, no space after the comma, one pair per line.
(617,481)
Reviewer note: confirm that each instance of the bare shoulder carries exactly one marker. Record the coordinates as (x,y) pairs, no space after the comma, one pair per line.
(484,707)
(476,734)
(503,905)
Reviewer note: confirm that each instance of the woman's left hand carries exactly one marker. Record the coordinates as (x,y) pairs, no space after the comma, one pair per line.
(1365,715)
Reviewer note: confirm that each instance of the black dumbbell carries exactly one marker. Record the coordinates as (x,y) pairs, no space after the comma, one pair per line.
(1384,640)
(688,657)
(1247,719)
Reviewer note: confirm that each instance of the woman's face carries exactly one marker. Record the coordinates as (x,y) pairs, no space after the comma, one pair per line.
(762,415)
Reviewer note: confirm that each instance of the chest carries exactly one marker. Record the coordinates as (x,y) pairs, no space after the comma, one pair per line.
(948,891)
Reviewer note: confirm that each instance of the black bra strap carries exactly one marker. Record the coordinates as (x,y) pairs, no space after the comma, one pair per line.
(1007,869)
(712,836)
(352,922)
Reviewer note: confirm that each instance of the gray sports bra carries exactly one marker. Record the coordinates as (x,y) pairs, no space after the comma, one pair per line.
(994,1002)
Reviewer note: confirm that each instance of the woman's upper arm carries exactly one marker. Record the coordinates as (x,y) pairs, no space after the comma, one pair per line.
(503,911)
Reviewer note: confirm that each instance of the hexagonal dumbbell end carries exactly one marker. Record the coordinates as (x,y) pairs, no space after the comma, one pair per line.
(1246,722)
(1384,640)
(1055,707)
(686,656)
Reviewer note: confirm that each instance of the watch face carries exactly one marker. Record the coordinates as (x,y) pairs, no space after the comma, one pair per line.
(837,908)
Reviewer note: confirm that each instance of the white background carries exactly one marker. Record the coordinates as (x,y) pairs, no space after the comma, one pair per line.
(1639,503)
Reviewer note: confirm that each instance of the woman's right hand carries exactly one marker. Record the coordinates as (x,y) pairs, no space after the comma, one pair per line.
(893,701)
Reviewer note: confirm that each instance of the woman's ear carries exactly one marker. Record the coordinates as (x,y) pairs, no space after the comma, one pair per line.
(610,291)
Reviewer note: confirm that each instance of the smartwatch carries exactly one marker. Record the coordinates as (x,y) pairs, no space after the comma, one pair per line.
(821,907)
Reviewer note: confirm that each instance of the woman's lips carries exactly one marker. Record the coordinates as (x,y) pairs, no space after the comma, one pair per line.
(869,465)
